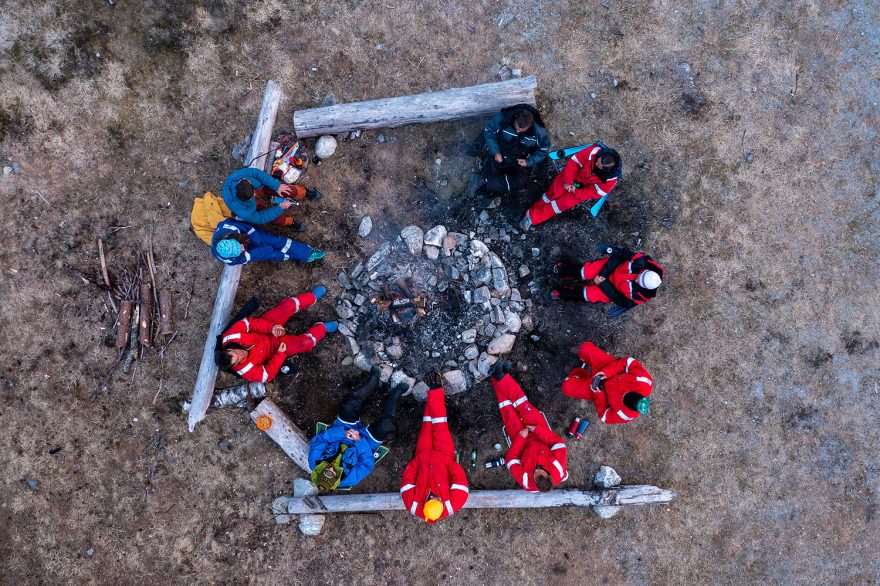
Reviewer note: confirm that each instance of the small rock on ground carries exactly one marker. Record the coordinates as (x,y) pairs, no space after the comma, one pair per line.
(502,344)
(413,236)
(366,227)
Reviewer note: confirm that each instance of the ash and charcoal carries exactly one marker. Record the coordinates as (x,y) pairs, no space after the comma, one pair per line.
(432,299)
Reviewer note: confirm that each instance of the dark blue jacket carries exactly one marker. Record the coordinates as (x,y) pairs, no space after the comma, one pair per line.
(263,246)
(247,210)
(501,137)
(357,461)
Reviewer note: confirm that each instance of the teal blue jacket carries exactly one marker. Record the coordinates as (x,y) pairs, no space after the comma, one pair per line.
(247,210)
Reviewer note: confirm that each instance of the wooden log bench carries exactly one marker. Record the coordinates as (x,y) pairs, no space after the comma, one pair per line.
(207,377)
(451,104)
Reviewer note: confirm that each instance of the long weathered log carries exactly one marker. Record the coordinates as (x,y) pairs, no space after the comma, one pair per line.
(639,494)
(204,386)
(284,433)
(166,313)
(451,104)
(123,323)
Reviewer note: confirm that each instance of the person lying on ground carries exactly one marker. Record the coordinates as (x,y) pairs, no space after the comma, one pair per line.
(251,195)
(434,485)
(624,277)
(236,243)
(255,348)
(513,143)
(618,387)
(589,174)
(536,456)
(342,455)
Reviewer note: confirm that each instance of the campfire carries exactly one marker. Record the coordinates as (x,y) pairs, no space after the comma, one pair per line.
(436,298)
(402,305)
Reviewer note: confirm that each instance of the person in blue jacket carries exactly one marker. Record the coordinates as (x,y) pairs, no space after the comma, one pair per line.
(342,455)
(239,192)
(236,243)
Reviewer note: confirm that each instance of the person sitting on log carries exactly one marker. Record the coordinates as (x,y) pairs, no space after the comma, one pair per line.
(589,174)
(514,142)
(342,455)
(536,456)
(236,243)
(618,387)
(624,277)
(434,485)
(255,348)
(253,196)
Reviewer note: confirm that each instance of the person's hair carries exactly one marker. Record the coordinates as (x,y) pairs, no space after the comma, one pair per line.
(544,482)
(631,399)
(607,160)
(244,190)
(239,237)
(524,119)
(223,358)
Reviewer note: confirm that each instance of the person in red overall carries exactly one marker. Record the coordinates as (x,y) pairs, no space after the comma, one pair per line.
(255,348)
(589,174)
(625,277)
(537,457)
(434,485)
(618,387)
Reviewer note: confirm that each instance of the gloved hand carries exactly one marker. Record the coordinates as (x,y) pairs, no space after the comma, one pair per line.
(319,291)
(331,326)
(604,248)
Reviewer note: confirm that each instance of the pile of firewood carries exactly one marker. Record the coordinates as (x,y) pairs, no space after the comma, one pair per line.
(143,308)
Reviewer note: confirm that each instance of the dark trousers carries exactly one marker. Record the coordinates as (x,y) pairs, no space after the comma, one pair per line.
(353,405)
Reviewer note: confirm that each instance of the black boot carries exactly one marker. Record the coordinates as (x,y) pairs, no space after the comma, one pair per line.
(313,193)
(500,368)
(569,294)
(353,403)
(385,426)
(567,270)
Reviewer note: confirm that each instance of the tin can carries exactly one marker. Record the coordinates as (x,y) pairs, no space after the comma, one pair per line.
(572,429)
(495,463)
(582,428)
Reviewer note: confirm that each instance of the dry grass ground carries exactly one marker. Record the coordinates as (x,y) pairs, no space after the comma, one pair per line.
(763,344)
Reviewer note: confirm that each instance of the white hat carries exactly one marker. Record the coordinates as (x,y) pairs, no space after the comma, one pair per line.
(325,146)
(649,279)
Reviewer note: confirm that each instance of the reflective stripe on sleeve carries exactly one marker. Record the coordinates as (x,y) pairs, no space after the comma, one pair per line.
(265,375)
(575,159)
(644,379)
(599,191)
(438,420)
(503,404)
(407,487)
(449,508)
(520,401)
(412,509)
(296,304)
(247,256)
(245,368)
(604,414)
(459,487)
(426,418)
(593,153)
(231,337)
(247,324)
(559,467)
(512,462)
(555,207)
(312,338)
(629,361)
(525,479)
(624,417)
(557,446)
(287,246)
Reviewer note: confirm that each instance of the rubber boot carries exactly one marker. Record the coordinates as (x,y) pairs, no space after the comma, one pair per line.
(569,294)
(567,270)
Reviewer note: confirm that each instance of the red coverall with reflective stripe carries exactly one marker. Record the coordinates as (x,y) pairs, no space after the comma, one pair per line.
(623,375)
(434,469)
(541,447)
(255,335)
(622,278)
(579,169)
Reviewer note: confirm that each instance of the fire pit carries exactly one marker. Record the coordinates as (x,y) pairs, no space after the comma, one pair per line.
(434,298)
